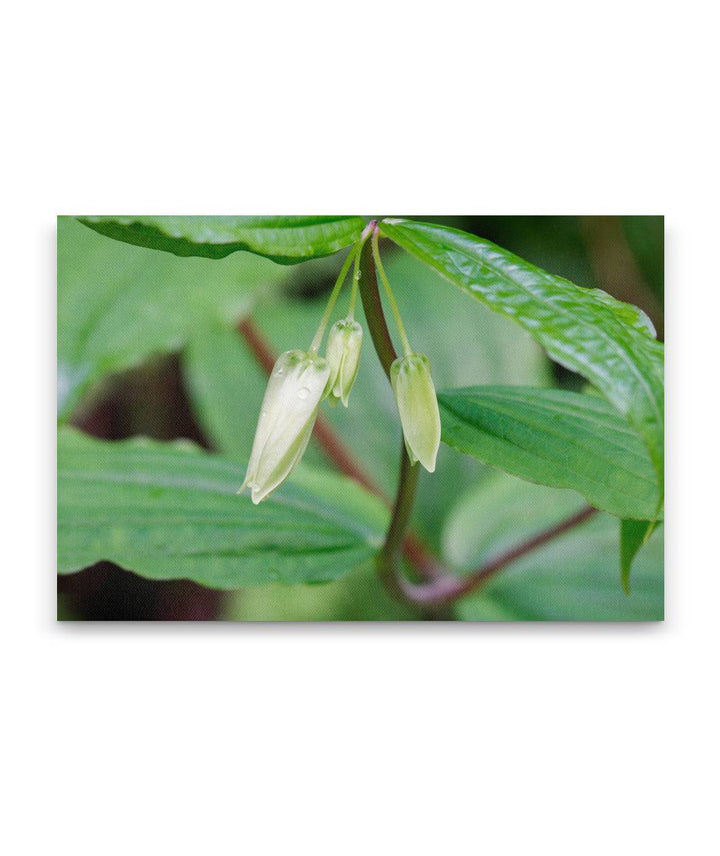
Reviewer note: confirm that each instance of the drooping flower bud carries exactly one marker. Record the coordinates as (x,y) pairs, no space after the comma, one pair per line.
(343,356)
(287,416)
(417,403)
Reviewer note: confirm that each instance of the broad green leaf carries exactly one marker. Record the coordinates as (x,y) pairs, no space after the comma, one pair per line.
(170,511)
(571,578)
(118,305)
(586,330)
(557,438)
(633,534)
(283,239)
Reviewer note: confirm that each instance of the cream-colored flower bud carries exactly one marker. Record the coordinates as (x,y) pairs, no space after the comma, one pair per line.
(287,416)
(417,403)
(343,356)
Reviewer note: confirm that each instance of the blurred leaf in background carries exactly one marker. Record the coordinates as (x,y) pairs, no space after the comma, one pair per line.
(119,305)
(574,578)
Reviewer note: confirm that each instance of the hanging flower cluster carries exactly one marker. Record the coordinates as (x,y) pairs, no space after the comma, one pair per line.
(301,380)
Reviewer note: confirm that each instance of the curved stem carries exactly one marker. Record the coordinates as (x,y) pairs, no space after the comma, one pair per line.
(402,509)
(355,282)
(389,292)
(388,558)
(317,341)
(447,589)
(370,296)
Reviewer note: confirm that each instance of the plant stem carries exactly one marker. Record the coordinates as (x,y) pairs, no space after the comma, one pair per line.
(408,479)
(374,314)
(317,341)
(387,560)
(447,589)
(355,283)
(389,292)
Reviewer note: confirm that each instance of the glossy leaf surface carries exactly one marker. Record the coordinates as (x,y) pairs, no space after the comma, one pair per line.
(610,343)
(170,511)
(283,239)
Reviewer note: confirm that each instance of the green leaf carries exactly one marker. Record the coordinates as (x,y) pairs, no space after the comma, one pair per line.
(118,305)
(586,330)
(557,438)
(170,511)
(633,534)
(283,239)
(571,578)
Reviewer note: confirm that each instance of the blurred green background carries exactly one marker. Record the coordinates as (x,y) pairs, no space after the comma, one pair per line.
(150,344)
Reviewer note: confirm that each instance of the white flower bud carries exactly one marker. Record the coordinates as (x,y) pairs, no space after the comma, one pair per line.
(417,403)
(287,416)
(343,356)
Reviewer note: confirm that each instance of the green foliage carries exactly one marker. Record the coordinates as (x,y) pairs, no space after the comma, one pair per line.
(574,578)
(586,330)
(283,239)
(170,511)
(119,305)
(554,437)
(633,534)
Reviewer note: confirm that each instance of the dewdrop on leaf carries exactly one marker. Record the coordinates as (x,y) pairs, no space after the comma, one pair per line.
(287,416)
(417,404)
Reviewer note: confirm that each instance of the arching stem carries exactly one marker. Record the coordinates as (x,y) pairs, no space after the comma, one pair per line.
(370,296)
(388,290)
(317,341)
(408,479)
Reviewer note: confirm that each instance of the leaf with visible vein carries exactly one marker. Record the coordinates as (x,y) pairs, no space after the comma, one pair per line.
(554,437)
(586,330)
(170,511)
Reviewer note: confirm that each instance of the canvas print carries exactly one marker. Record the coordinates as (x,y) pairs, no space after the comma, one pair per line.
(360,418)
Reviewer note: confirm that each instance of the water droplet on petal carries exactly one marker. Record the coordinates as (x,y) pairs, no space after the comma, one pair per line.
(278,372)
(304,392)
